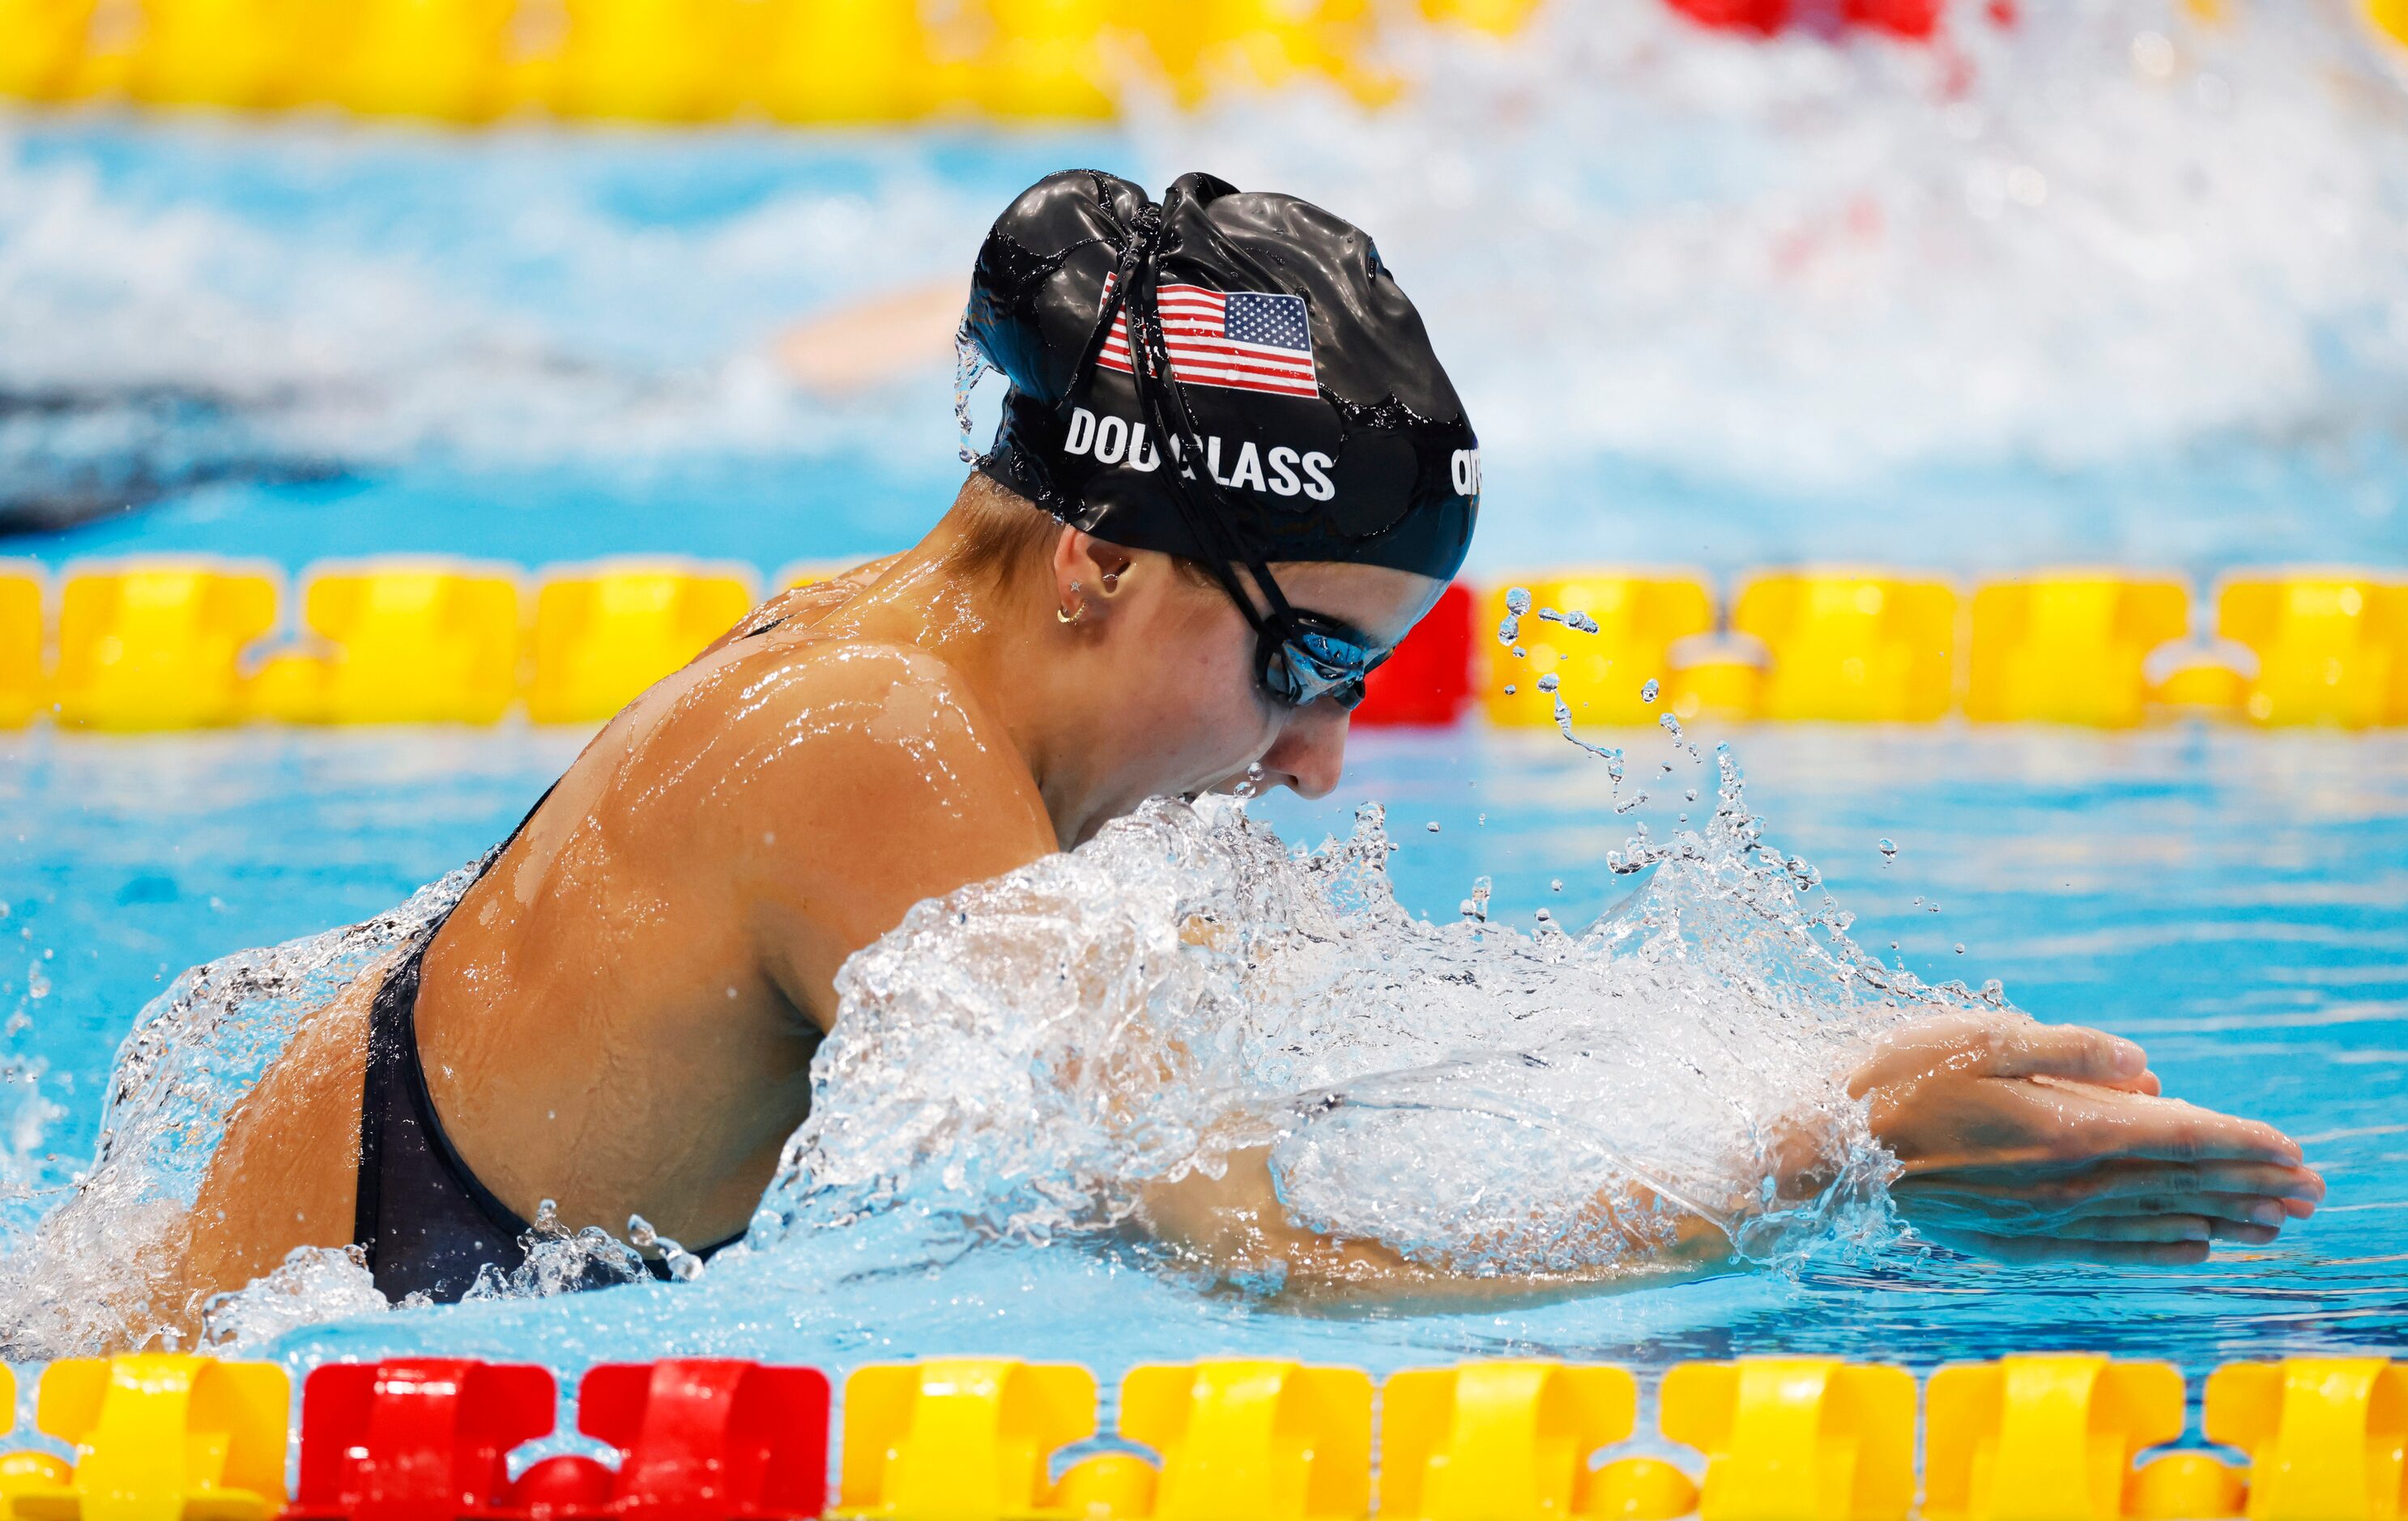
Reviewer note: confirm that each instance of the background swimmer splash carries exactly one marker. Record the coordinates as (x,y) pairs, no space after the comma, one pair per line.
(617,1014)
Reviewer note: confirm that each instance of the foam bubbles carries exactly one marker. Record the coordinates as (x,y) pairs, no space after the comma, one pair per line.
(1021,1060)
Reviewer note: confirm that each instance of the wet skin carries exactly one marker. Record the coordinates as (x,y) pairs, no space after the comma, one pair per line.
(621,1016)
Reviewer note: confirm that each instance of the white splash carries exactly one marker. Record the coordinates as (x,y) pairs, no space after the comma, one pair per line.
(99,1270)
(1018,1059)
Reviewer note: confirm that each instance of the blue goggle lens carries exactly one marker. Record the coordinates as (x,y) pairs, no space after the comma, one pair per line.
(1318,659)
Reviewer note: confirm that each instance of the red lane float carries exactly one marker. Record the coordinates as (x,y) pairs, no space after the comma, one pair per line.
(1429,680)
(409,1438)
(1916,20)
(699,1439)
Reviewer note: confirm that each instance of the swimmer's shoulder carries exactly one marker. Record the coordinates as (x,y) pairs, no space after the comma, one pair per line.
(853,732)
(801,609)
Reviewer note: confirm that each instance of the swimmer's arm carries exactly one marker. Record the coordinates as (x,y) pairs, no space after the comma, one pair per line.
(874,342)
(1237,1227)
(872,780)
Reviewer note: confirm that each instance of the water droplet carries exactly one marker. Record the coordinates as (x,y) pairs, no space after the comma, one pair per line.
(1476,906)
(1520,654)
(1934,907)
(969,364)
(1557,886)
(1648,689)
(1510,689)
(1481,820)
(1581,621)
(1549,615)
(1960,948)
(1517,600)
(1692,794)
(1545,917)
(1669,724)
(1889,850)
(1549,683)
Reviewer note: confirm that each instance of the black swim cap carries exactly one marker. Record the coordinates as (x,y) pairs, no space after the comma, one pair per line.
(1296,372)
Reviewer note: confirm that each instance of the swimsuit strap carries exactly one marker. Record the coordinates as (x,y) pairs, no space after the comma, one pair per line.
(427,1223)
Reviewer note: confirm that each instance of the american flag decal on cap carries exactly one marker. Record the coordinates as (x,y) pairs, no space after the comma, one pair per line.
(1241,340)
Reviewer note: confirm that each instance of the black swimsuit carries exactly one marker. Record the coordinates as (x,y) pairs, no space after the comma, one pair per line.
(425,1220)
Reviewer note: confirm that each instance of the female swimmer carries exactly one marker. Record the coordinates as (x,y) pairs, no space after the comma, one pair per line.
(1230,475)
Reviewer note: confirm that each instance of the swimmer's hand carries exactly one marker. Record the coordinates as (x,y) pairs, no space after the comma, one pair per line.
(2023,1142)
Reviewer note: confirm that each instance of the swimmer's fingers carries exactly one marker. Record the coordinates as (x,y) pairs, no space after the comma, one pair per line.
(2142,1128)
(2033,1248)
(1970,1044)
(2071,1054)
(2117,1187)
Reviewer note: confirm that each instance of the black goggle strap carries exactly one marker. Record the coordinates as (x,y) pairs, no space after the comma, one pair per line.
(1129,292)
(1211,516)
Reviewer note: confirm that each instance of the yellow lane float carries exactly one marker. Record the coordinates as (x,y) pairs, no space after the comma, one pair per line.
(2331,646)
(848,61)
(182,642)
(652,60)
(960,1436)
(1715,676)
(1277,1440)
(2035,1437)
(20,644)
(160,1435)
(1515,1439)
(2327,1437)
(1046,62)
(604,633)
(45,46)
(445,60)
(1812,1438)
(423,641)
(1855,645)
(1603,634)
(234,55)
(2069,647)
(156,644)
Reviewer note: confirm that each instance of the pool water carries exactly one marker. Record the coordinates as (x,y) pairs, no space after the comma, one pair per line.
(2231,900)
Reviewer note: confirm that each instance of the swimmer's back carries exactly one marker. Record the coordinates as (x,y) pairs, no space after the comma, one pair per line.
(674,916)
(621,1014)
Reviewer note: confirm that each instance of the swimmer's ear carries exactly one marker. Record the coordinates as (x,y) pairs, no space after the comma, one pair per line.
(1087,574)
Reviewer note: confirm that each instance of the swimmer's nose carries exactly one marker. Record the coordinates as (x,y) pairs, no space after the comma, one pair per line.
(1310,751)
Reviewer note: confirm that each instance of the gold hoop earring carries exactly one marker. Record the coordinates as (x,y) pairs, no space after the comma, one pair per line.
(1071,617)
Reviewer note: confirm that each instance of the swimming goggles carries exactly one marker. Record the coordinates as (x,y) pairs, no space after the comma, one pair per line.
(1304,657)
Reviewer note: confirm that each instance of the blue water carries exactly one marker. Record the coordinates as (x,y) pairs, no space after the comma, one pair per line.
(2231,900)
